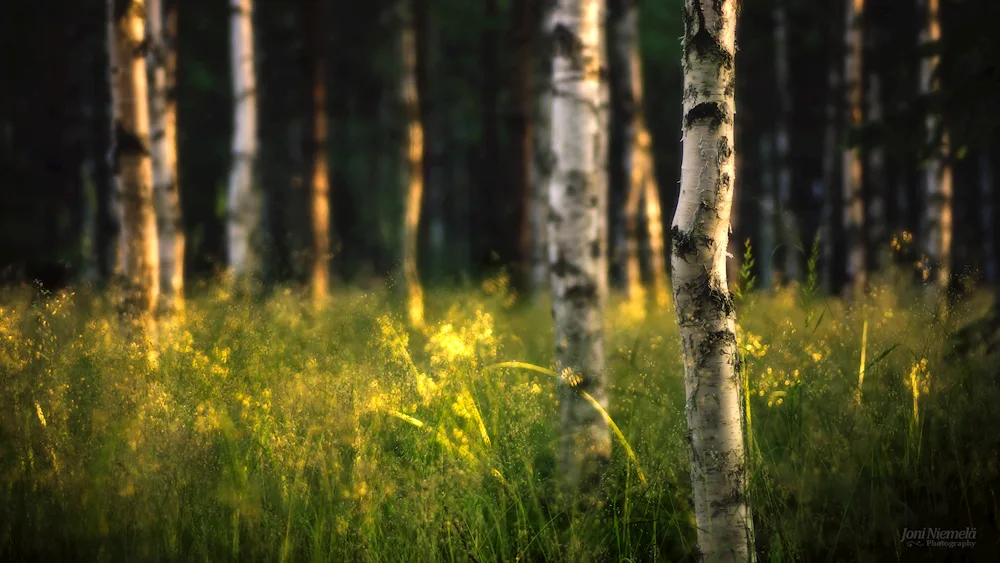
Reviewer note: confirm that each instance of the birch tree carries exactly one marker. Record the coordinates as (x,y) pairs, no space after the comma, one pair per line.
(937,171)
(413,160)
(854,210)
(654,231)
(131,158)
(524,34)
(878,234)
(768,211)
(642,194)
(243,201)
(163,118)
(542,164)
(828,192)
(577,235)
(699,234)
(316,145)
(782,144)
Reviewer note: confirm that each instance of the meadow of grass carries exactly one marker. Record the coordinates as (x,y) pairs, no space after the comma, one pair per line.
(267,431)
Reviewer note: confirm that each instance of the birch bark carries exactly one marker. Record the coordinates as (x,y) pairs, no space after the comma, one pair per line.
(163,118)
(578,235)
(413,161)
(131,158)
(244,201)
(699,237)
(854,210)
(937,173)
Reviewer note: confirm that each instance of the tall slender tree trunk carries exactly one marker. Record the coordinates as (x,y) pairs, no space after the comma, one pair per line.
(642,193)
(524,32)
(434,116)
(782,146)
(413,159)
(316,145)
(97,140)
(937,174)
(986,199)
(110,245)
(133,165)
(622,26)
(494,233)
(163,117)
(244,201)
(699,234)
(878,234)
(543,159)
(829,198)
(654,230)
(577,236)
(854,210)
(768,213)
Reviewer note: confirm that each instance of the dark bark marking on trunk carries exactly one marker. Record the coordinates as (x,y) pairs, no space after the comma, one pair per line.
(712,111)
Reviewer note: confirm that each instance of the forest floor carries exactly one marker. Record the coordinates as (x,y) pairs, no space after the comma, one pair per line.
(268,431)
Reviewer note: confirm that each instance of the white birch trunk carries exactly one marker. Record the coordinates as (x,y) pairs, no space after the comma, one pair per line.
(544,161)
(937,174)
(244,201)
(705,311)
(854,210)
(577,235)
(541,174)
(782,146)
(163,118)
(413,162)
(133,166)
(878,233)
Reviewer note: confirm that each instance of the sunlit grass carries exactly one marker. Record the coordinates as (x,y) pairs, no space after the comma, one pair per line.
(268,431)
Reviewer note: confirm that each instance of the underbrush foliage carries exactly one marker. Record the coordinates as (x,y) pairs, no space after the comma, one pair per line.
(268,431)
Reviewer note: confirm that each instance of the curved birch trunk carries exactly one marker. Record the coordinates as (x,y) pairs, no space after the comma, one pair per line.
(132,163)
(413,162)
(937,174)
(163,118)
(699,234)
(577,236)
(316,144)
(782,145)
(854,203)
(244,202)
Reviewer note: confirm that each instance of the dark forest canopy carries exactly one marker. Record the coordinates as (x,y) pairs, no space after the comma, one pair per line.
(54,111)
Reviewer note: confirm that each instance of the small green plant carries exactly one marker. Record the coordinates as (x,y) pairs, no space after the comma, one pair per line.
(809,290)
(747,279)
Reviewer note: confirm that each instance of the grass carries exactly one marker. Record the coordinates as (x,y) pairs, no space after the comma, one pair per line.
(269,432)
